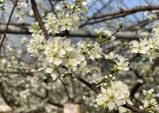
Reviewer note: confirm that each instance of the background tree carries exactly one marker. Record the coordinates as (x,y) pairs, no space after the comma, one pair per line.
(44,68)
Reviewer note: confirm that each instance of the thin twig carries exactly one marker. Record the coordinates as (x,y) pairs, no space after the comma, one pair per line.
(69,98)
(4,36)
(93,87)
(53,9)
(111,35)
(127,11)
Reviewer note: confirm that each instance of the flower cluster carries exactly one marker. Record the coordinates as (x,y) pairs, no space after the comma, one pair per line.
(122,64)
(93,51)
(150,103)
(21,10)
(37,42)
(147,46)
(115,95)
(67,17)
(62,57)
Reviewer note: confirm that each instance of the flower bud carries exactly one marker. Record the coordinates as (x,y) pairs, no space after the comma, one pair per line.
(1,1)
(110,76)
(105,85)
(120,24)
(106,77)
(113,78)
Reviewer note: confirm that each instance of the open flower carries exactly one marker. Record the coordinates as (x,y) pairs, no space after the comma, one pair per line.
(140,47)
(115,95)
(122,64)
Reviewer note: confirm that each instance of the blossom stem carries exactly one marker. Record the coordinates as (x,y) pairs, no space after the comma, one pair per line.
(110,36)
(137,55)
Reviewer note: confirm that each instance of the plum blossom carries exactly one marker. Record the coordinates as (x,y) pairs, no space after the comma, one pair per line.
(115,95)
(122,63)
(150,103)
(140,47)
(111,56)
(67,18)
(61,54)
(95,52)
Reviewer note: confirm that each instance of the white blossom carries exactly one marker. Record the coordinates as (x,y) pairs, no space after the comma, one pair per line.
(115,95)
(140,47)
(122,64)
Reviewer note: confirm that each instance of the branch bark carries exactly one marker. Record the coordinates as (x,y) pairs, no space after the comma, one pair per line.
(38,18)
(127,11)
(120,13)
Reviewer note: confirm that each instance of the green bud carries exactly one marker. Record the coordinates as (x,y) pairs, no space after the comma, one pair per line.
(105,77)
(120,24)
(113,78)
(105,85)
(1,1)
(110,76)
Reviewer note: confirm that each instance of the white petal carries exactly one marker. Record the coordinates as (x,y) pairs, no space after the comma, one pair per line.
(41,69)
(129,102)
(54,76)
(57,61)
(111,105)
(49,70)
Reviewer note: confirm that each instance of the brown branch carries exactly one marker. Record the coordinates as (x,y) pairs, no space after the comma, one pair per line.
(38,18)
(55,104)
(134,108)
(4,36)
(69,98)
(9,103)
(135,88)
(137,55)
(140,23)
(118,14)
(115,16)
(127,11)
(17,72)
(91,86)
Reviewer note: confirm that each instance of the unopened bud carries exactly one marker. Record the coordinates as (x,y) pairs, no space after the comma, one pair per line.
(105,85)
(1,1)
(105,77)
(110,76)
(120,24)
(113,78)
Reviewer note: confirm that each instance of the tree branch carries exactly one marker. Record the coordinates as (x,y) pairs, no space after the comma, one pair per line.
(120,13)
(127,11)
(38,18)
